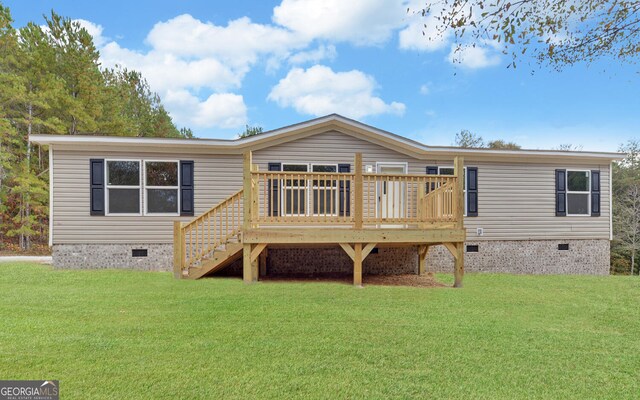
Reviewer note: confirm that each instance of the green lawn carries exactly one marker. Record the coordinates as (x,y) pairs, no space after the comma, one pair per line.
(125,334)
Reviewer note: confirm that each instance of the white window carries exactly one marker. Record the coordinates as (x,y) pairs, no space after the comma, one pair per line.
(578,192)
(123,187)
(324,193)
(162,187)
(294,191)
(309,196)
(451,171)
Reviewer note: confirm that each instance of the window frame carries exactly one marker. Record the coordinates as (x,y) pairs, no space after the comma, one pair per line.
(464,192)
(107,186)
(312,187)
(284,186)
(146,188)
(587,192)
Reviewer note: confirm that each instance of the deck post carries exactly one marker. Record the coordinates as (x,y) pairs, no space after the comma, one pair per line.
(359,196)
(458,170)
(249,273)
(458,271)
(177,249)
(357,264)
(422,259)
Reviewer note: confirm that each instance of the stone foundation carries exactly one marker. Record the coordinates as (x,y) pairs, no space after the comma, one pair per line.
(519,257)
(100,256)
(589,257)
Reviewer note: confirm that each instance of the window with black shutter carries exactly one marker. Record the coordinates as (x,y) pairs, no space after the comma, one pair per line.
(187,194)
(96,182)
(595,193)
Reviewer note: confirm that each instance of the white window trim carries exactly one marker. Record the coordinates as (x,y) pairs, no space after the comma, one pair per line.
(309,189)
(336,196)
(107,187)
(146,187)
(466,179)
(587,192)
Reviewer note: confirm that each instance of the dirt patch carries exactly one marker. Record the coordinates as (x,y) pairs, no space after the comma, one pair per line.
(410,280)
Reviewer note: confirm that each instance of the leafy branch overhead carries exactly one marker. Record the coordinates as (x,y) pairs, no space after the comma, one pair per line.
(556,33)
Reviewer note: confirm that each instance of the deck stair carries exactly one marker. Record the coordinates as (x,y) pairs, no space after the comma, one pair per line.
(211,241)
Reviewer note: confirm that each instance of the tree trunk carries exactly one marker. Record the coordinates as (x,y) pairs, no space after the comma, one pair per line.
(27,211)
(633,260)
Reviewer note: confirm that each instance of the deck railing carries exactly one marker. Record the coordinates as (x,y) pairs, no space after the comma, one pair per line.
(354,199)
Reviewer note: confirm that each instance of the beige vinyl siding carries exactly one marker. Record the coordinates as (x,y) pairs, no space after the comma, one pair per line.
(215,178)
(516,200)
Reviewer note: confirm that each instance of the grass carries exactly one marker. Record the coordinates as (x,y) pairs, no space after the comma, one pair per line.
(126,335)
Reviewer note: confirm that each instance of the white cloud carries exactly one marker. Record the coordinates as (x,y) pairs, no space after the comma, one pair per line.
(193,64)
(362,22)
(238,44)
(165,70)
(472,57)
(313,56)
(319,91)
(94,30)
(224,110)
(424,89)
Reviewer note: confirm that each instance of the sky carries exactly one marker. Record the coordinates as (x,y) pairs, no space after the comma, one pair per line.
(218,66)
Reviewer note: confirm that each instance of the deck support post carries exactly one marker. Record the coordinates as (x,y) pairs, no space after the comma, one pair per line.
(357,264)
(262,262)
(458,271)
(422,259)
(177,249)
(249,266)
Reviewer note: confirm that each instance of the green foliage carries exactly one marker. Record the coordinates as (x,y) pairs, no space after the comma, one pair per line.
(250,131)
(626,211)
(553,32)
(147,335)
(51,83)
(501,144)
(468,139)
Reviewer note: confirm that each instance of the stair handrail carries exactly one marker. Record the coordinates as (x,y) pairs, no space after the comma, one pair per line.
(440,203)
(211,229)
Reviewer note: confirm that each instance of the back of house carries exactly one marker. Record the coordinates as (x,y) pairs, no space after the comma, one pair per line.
(115,200)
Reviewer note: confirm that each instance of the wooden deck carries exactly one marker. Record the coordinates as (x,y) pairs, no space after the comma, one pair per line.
(354,210)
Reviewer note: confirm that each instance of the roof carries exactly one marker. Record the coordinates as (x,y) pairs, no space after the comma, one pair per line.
(307,128)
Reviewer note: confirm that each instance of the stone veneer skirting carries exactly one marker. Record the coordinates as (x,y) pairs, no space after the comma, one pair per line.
(515,256)
(101,256)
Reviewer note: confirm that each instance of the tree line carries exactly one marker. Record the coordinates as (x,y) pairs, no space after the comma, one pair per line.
(51,82)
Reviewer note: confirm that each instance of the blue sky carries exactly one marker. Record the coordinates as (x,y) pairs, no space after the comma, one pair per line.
(219,65)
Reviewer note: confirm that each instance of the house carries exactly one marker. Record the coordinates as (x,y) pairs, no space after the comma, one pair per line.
(326,195)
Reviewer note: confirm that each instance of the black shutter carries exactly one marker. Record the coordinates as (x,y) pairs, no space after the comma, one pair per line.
(345,191)
(595,193)
(96,182)
(274,204)
(561,193)
(472,191)
(186,188)
(432,171)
